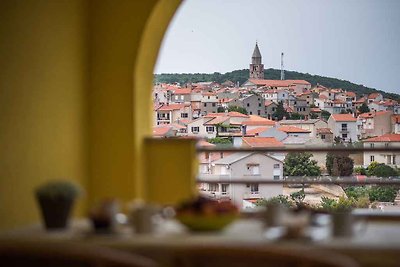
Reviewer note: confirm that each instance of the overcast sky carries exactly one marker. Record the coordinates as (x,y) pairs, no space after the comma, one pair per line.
(355,40)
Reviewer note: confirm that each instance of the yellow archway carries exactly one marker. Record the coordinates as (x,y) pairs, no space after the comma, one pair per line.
(75,81)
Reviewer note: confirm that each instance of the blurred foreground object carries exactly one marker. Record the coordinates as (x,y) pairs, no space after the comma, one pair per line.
(56,199)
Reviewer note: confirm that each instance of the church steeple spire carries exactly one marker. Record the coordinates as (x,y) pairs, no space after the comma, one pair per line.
(256,58)
(256,66)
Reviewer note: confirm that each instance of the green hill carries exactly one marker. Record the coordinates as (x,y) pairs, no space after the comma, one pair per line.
(242,75)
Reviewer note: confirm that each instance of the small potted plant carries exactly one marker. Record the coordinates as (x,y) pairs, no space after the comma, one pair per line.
(56,199)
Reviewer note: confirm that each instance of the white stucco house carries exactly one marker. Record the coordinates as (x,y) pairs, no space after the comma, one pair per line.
(242,166)
(343,126)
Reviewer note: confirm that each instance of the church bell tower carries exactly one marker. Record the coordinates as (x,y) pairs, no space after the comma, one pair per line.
(256,67)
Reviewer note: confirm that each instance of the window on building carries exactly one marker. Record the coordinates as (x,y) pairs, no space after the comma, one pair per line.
(182,97)
(323,137)
(195,129)
(372,145)
(372,158)
(259,104)
(210,129)
(184,115)
(344,126)
(205,104)
(344,136)
(254,188)
(213,187)
(248,104)
(224,189)
(277,166)
(176,97)
(394,159)
(254,169)
(259,112)
(213,104)
(386,144)
(250,113)
(276,177)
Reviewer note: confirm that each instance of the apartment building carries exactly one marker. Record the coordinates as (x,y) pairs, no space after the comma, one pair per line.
(172,113)
(310,125)
(374,123)
(385,141)
(242,166)
(344,126)
(209,103)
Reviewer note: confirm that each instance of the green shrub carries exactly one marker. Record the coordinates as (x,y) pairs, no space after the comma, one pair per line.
(383,193)
(281,199)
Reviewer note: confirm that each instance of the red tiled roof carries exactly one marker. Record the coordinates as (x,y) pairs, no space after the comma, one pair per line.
(268,102)
(161,131)
(256,131)
(323,97)
(292,129)
(315,110)
(278,83)
(338,101)
(208,94)
(373,114)
(229,114)
(351,94)
(262,142)
(324,131)
(257,120)
(384,138)
(203,143)
(171,107)
(396,118)
(373,95)
(217,120)
(343,117)
(182,91)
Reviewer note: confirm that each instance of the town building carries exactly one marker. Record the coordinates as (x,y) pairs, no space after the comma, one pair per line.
(344,126)
(242,166)
(311,125)
(374,123)
(383,141)
(256,66)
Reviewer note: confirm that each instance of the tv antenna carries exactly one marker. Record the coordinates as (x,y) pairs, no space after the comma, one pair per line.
(282,69)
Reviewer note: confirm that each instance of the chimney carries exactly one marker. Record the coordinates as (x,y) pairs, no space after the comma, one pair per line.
(244,130)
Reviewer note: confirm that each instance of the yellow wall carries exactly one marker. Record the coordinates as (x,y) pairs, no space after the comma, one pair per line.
(43,120)
(75,79)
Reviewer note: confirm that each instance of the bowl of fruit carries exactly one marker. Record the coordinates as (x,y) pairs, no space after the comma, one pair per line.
(203,214)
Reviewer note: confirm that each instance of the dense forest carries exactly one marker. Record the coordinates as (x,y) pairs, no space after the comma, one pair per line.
(274,74)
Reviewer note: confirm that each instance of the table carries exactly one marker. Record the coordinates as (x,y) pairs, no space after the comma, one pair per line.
(378,244)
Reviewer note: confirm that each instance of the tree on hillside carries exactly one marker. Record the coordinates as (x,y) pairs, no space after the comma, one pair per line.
(237,109)
(325,115)
(280,112)
(300,164)
(364,108)
(296,116)
(220,109)
(380,170)
(342,165)
(271,74)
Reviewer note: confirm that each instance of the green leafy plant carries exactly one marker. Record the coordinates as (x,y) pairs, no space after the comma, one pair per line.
(281,199)
(383,193)
(58,190)
(300,164)
(298,197)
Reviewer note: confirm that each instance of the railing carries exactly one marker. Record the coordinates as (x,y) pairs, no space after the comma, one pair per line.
(336,180)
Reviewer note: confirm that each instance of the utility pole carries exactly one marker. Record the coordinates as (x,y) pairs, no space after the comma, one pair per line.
(282,70)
